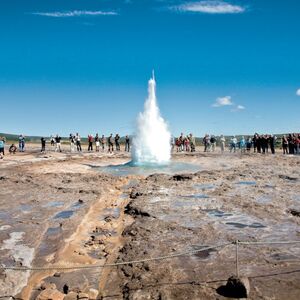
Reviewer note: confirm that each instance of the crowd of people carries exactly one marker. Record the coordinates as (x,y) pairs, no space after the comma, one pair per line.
(258,143)
(96,143)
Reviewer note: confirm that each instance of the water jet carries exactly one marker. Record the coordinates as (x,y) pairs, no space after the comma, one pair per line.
(151,142)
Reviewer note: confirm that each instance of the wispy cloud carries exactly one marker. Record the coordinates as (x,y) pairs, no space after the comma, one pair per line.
(75,13)
(223,101)
(238,108)
(298,92)
(227,101)
(209,7)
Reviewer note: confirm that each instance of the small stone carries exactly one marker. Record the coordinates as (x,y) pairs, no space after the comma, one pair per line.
(56,274)
(50,294)
(80,201)
(93,294)
(83,296)
(71,296)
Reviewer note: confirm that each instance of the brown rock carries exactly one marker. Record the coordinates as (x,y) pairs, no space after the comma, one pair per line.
(83,296)
(47,285)
(50,294)
(71,296)
(93,294)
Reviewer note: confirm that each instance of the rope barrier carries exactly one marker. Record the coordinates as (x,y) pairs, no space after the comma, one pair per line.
(117,263)
(170,256)
(269,243)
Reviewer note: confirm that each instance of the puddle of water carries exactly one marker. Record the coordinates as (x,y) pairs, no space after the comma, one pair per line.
(64,214)
(50,242)
(4,216)
(246,182)
(131,169)
(25,208)
(77,205)
(110,212)
(55,204)
(270,186)
(241,225)
(217,213)
(197,196)
(53,231)
(205,186)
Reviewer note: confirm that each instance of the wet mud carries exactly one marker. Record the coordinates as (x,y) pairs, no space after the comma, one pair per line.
(66,210)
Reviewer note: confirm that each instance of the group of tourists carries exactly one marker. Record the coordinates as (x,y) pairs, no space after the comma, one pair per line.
(258,143)
(184,143)
(94,142)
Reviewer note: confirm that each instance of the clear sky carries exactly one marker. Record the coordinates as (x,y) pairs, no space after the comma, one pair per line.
(229,67)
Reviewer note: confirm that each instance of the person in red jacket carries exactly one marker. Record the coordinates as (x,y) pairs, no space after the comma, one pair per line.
(90,140)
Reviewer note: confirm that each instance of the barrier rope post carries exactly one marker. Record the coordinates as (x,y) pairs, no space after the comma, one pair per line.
(237,258)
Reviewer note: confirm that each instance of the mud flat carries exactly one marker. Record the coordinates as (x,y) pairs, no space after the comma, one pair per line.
(62,210)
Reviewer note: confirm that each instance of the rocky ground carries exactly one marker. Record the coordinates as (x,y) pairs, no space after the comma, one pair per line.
(62,210)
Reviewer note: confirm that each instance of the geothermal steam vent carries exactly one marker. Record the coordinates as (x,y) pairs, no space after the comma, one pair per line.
(151,143)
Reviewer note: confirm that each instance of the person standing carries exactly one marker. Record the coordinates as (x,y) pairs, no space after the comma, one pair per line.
(254,141)
(43,143)
(222,143)
(2,145)
(272,141)
(233,143)
(291,144)
(249,144)
(284,144)
(90,141)
(213,143)
(117,142)
(295,143)
(97,142)
(110,144)
(72,142)
(181,140)
(127,143)
(242,145)
(192,142)
(78,142)
(57,143)
(103,142)
(187,144)
(21,143)
(206,142)
(298,144)
(52,141)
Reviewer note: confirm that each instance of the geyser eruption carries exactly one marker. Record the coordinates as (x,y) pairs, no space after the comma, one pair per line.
(151,143)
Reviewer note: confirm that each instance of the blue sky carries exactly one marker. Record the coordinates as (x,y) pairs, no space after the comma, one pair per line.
(227,67)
